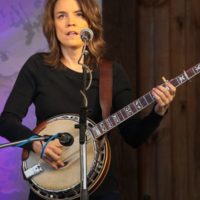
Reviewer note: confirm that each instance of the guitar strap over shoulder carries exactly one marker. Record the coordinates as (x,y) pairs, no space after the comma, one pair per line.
(105,87)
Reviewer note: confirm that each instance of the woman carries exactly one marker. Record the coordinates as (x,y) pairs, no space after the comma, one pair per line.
(52,82)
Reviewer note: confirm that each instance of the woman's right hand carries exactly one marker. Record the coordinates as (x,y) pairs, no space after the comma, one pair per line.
(52,153)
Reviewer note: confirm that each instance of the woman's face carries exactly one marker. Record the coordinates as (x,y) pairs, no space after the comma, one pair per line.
(69,21)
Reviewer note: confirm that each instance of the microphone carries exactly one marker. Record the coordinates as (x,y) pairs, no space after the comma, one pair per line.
(64,138)
(86,34)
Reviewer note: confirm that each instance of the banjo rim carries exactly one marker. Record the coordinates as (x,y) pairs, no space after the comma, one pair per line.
(93,186)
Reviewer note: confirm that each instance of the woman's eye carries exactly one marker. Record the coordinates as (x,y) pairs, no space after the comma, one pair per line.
(80,14)
(61,16)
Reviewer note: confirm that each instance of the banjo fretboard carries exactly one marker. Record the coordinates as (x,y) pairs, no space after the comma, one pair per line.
(139,104)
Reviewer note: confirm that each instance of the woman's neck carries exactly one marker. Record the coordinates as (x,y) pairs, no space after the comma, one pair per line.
(71,57)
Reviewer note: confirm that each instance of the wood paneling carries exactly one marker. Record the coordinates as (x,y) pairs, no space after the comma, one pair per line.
(162,39)
(193,98)
(157,150)
(119,25)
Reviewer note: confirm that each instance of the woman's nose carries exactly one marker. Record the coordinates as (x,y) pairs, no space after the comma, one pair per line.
(70,21)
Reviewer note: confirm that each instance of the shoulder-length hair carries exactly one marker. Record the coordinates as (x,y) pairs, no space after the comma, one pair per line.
(92,14)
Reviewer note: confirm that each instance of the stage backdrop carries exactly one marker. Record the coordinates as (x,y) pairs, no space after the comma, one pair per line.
(20,37)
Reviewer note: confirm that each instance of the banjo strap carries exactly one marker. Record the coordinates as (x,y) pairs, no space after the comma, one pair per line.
(105,87)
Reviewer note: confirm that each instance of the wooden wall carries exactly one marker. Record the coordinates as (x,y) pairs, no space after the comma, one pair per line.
(155,38)
(120,36)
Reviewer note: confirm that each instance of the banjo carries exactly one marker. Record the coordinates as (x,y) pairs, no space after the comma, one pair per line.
(64,183)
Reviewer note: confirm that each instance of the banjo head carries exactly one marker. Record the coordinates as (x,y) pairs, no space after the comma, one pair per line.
(64,183)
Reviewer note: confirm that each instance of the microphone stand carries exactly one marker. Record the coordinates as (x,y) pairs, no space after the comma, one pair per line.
(25,141)
(82,129)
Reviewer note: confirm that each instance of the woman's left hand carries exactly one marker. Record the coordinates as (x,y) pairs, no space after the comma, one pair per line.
(164,95)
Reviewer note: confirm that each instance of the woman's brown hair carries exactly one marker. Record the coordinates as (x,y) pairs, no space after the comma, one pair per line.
(91,12)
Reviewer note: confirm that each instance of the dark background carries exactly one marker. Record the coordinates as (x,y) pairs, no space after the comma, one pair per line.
(155,38)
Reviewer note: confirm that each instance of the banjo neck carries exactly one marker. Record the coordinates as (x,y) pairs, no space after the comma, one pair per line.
(139,104)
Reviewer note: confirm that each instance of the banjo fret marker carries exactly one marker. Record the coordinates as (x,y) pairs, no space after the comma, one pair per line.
(109,123)
(115,118)
(128,111)
(138,105)
(103,127)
